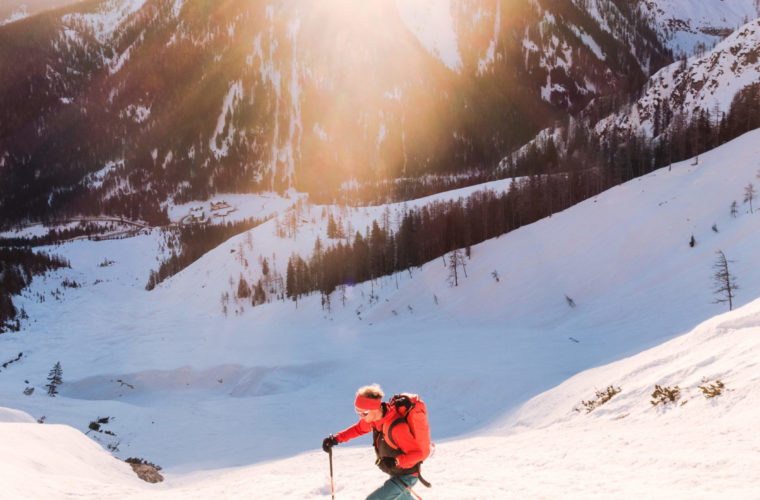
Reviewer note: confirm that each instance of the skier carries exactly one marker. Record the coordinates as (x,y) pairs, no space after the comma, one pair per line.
(399,453)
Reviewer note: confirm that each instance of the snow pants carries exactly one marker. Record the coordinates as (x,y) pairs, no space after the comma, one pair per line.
(393,489)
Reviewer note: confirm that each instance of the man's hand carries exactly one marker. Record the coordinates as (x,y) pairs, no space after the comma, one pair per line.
(329,442)
(387,464)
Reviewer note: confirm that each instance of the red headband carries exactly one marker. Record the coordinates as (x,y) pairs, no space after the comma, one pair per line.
(364,403)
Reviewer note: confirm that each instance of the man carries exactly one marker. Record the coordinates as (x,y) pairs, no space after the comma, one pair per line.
(398,453)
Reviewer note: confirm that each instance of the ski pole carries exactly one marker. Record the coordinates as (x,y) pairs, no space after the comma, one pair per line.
(332,485)
(409,488)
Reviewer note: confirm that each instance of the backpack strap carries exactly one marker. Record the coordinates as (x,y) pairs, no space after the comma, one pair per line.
(422,479)
(389,435)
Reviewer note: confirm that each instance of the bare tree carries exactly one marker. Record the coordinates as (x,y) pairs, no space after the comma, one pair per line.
(725,282)
(456,261)
(749,195)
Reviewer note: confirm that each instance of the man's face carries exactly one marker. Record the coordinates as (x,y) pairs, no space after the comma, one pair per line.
(370,416)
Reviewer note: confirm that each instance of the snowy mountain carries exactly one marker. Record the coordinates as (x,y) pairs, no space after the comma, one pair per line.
(702,85)
(226,402)
(177,100)
(691,27)
(15,10)
(686,28)
(684,109)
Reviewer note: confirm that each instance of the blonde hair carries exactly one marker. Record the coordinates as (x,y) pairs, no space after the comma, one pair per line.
(371,391)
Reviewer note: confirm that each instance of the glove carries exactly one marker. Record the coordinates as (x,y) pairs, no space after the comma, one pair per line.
(329,442)
(387,464)
(402,401)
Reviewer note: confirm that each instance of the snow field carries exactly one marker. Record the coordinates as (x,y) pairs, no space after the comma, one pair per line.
(236,406)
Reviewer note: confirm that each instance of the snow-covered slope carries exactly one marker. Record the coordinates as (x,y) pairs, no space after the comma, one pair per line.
(706,83)
(14,10)
(197,392)
(432,24)
(56,461)
(625,448)
(687,26)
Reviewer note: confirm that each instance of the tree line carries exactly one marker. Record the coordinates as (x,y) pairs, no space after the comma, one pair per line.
(628,155)
(429,232)
(549,182)
(56,235)
(17,268)
(194,240)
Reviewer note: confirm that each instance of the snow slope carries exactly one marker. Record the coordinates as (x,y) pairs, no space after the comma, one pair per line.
(14,10)
(627,448)
(685,26)
(431,22)
(707,83)
(236,406)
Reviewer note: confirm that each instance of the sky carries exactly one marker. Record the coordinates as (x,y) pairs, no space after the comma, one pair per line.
(236,405)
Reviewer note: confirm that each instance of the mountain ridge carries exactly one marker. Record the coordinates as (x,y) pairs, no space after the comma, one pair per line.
(239,98)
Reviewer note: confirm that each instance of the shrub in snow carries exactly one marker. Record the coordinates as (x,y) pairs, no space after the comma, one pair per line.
(142,461)
(95,424)
(601,398)
(145,470)
(5,365)
(712,390)
(665,395)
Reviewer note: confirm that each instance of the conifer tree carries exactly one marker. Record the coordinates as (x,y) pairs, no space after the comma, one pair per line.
(243,290)
(332,228)
(55,378)
(290,280)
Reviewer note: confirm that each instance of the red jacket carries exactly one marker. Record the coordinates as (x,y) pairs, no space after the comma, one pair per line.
(410,452)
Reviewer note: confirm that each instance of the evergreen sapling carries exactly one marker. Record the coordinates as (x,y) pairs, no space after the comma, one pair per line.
(55,378)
